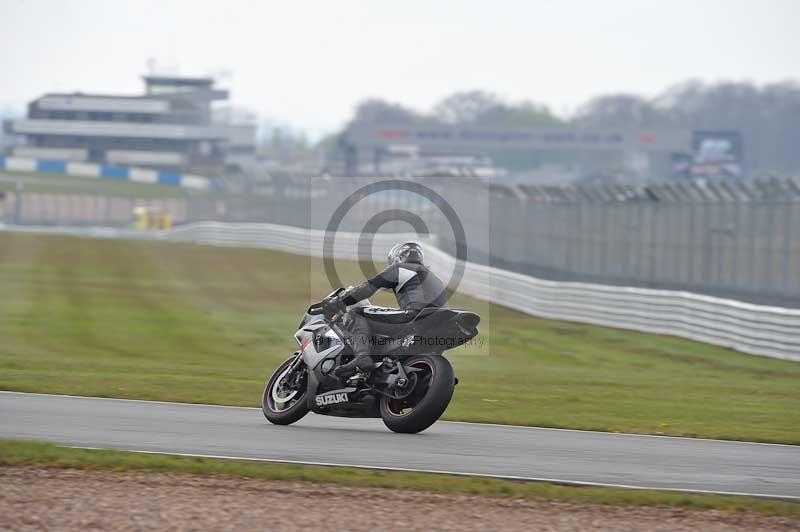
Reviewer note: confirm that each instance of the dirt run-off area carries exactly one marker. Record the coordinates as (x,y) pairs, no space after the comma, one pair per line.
(37,498)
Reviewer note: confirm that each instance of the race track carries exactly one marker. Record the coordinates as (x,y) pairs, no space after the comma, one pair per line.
(462,448)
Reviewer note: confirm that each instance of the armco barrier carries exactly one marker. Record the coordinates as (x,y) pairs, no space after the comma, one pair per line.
(91,170)
(753,329)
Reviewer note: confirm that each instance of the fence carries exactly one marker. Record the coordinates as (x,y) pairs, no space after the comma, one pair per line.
(44,208)
(731,240)
(748,328)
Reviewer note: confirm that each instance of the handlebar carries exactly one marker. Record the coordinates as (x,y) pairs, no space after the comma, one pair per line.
(316,308)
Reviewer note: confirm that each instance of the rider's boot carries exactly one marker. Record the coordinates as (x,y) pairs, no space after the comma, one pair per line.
(362,363)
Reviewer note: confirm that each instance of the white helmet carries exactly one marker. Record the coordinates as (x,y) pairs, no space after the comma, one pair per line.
(405,252)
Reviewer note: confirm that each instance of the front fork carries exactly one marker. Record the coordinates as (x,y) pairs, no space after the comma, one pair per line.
(290,379)
(298,359)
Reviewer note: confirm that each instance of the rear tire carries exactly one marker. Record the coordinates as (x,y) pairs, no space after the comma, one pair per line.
(280,413)
(411,419)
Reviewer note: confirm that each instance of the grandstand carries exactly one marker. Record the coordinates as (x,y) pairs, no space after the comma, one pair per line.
(170,127)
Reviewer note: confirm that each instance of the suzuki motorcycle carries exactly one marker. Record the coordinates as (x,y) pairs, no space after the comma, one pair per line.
(409,387)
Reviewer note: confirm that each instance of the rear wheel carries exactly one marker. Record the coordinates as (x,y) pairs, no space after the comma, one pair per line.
(435,381)
(284,398)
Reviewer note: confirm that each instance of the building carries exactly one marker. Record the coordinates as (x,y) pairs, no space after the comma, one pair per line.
(170,127)
(378,149)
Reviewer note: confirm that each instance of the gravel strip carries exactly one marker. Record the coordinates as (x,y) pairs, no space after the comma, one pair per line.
(35,498)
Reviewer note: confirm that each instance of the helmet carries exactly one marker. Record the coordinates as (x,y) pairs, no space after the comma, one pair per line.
(405,252)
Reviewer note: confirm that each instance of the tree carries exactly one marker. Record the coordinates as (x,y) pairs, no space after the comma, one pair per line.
(487,109)
(282,143)
(465,107)
(768,118)
(525,114)
(620,111)
(375,111)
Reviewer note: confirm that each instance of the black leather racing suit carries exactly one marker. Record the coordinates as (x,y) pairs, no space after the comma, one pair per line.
(415,287)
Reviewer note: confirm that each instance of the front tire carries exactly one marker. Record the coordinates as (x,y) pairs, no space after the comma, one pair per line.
(280,405)
(428,401)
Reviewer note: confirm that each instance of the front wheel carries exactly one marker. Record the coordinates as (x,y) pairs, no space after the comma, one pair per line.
(435,381)
(284,398)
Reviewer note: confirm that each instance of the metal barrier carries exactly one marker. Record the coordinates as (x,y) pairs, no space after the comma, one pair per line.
(748,328)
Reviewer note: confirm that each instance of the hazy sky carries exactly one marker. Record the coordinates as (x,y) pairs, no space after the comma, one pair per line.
(309,63)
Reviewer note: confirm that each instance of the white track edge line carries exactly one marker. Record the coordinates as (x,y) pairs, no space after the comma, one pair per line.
(438,472)
(469,423)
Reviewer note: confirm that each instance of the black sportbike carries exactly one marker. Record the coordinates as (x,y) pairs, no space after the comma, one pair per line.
(410,385)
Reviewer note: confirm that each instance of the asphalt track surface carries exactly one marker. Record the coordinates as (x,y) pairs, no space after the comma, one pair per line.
(567,456)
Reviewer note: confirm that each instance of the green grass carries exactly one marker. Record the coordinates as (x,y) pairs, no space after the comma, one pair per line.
(42,454)
(55,183)
(202,324)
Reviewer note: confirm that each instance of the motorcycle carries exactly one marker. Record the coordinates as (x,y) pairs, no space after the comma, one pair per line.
(409,387)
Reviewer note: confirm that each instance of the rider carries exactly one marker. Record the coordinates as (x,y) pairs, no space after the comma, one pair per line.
(415,287)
